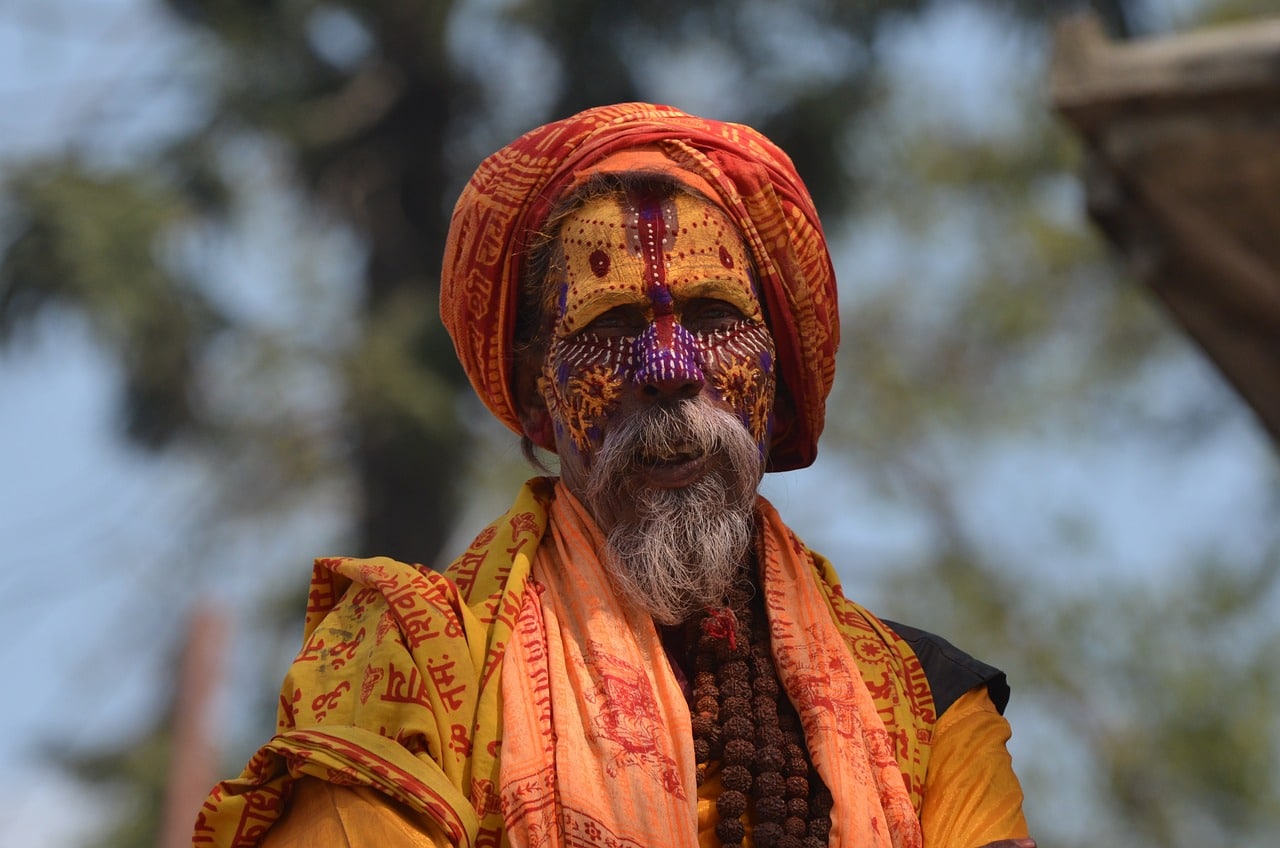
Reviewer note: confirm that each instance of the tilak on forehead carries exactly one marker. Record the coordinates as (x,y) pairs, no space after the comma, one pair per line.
(666,350)
(662,250)
(651,230)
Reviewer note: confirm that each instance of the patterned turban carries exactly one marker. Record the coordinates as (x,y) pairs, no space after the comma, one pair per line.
(508,198)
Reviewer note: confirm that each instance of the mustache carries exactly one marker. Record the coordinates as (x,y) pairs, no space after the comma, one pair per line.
(688,429)
(684,430)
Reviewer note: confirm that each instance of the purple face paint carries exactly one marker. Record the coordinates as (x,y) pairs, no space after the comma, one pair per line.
(656,298)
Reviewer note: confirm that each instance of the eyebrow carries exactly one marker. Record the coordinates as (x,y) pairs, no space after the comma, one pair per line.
(601,301)
(744,298)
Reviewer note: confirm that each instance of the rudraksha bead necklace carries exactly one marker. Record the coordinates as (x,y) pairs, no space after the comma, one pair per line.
(742,718)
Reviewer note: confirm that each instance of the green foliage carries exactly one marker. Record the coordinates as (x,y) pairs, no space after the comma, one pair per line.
(92,243)
(1225,11)
(133,774)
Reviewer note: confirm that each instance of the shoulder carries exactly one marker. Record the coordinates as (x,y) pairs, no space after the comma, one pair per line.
(950,671)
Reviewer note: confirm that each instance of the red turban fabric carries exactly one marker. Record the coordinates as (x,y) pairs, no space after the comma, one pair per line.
(510,194)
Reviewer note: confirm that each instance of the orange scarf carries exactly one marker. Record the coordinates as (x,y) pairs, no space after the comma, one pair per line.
(514,695)
(611,715)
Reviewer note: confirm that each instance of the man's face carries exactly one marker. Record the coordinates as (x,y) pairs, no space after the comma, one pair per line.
(659,384)
(655,306)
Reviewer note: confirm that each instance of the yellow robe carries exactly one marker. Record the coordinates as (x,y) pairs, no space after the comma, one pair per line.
(391,719)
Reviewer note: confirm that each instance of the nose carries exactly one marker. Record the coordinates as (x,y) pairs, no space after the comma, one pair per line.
(668,366)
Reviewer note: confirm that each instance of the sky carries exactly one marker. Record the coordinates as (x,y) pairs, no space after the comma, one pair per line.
(85,520)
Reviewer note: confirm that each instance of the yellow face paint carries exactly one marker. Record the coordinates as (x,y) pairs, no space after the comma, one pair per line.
(610,262)
(653,292)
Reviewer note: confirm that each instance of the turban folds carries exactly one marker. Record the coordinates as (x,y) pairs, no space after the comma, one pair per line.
(507,200)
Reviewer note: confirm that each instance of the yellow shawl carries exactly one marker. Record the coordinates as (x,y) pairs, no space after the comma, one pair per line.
(513,701)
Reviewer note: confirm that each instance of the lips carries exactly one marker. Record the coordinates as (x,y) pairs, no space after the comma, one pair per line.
(684,453)
(674,470)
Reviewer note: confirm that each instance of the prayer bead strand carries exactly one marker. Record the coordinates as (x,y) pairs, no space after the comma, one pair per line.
(742,717)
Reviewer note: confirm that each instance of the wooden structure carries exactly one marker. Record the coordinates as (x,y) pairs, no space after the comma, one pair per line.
(1182,174)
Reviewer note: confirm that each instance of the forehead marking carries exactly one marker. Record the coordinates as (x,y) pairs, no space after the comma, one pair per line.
(600,263)
(651,231)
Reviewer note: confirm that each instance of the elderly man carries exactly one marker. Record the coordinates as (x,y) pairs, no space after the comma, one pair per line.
(640,653)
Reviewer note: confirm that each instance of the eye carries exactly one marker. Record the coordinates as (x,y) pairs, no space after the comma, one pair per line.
(706,315)
(618,322)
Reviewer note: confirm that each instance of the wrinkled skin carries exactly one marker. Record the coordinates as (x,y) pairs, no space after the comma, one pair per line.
(655,305)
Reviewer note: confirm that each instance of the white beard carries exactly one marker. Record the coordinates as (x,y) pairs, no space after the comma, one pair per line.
(671,552)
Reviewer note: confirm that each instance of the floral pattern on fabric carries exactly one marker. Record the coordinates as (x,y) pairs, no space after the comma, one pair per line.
(438,691)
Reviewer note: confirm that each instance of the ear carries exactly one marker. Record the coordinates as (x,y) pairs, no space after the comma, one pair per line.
(535,418)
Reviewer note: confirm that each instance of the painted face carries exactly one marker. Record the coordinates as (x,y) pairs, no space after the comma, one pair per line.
(656,302)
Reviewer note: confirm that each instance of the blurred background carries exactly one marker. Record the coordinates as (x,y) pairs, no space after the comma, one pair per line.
(221,226)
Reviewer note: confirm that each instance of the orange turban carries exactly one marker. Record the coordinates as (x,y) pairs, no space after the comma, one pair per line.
(508,198)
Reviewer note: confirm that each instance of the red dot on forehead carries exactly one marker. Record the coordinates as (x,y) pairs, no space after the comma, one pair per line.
(725,259)
(600,262)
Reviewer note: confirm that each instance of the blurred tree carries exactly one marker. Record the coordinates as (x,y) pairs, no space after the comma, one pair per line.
(1012,335)
(372,114)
